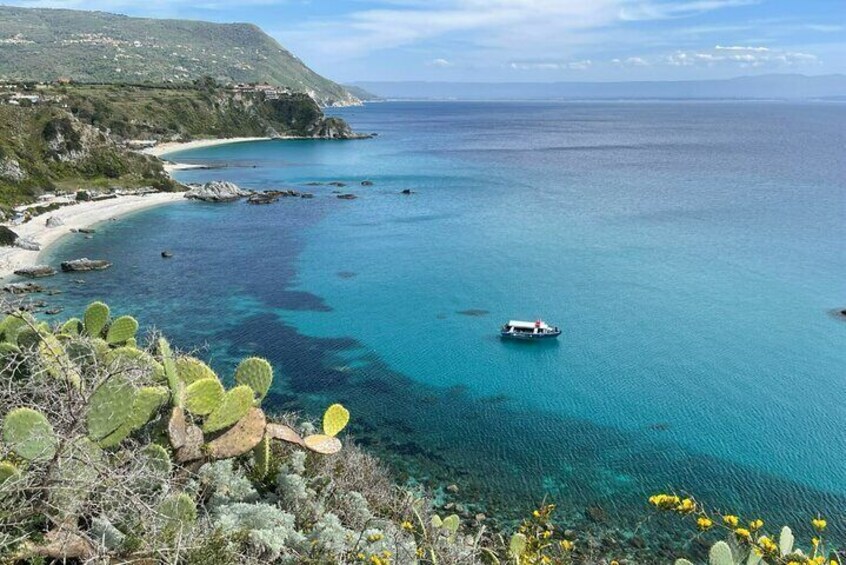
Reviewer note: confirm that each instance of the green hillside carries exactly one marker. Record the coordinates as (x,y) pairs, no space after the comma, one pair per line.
(44,45)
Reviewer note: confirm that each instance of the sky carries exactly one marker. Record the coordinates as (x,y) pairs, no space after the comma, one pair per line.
(530,40)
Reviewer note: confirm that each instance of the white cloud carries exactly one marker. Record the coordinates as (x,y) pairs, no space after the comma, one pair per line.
(637,11)
(741,56)
(441,63)
(631,62)
(551,65)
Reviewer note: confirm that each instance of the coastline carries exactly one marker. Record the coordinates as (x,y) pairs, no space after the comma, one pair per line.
(75,216)
(173,146)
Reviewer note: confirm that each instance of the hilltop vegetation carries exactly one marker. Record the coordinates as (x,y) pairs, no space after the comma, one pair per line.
(43,45)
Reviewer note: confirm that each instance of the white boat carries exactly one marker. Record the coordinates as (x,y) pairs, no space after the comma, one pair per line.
(517,329)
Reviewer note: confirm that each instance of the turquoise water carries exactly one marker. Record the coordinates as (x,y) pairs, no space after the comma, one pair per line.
(691,253)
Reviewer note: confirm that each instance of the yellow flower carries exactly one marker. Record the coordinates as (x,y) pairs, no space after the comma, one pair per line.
(819,524)
(407,526)
(815,541)
(742,533)
(819,560)
(536,514)
(374,537)
(686,506)
(768,545)
(545,559)
(756,524)
(615,562)
(546,535)
(731,520)
(704,523)
(360,556)
(665,501)
(567,545)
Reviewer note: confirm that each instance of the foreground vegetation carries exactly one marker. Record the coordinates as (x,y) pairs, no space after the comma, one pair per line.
(118,450)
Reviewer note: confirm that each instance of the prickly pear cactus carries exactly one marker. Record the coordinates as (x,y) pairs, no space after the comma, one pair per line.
(261,458)
(72,327)
(517,546)
(8,472)
(109,406)
(323,444)
(122,330)
(179,512)
(15,323)
(720,554)
(451,524)
(95,319)
(177,387)
(29,434)
(192,370)
(240,438)
(56,362)
(257,374)
(335,419)
(147,403)
(786,541)
(123,358)
(203,396)
(157,459)
(234,406)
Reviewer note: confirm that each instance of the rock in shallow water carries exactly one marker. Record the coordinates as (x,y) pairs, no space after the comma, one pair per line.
(85,264)
(27,243)
(217,191)
(54,222)
(36,272)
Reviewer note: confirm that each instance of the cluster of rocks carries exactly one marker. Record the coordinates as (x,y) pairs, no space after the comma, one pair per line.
(85,264)
(271,196)
(217,191)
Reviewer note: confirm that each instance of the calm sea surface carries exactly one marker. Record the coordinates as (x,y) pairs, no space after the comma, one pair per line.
(691,252)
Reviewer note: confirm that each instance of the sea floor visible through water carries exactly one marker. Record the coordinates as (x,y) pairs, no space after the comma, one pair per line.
(691,253)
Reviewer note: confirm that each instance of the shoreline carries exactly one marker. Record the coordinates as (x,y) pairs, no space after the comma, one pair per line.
(74,216)
(173,146)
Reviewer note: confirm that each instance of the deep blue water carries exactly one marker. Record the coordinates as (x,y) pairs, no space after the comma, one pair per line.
(690,251)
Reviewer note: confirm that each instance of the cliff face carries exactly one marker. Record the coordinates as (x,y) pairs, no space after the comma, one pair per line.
(44,149)
(133,112)
(43,45)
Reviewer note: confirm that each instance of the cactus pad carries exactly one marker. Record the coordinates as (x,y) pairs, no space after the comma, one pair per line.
(8,471)
(13,324)
(203,396)
(326,445)
(191,449)
(177,427)
(284,433)
(177,388)
(122,330)
(72,327)
(109,406)
(720,554)
(122,358)
(517,546)
(241,438)
(29,434)
(335,419)
(257,374)
(234,406)
(261,457)
(451,524)
(56,361)
(179,511)
(158,459)
(147,403)
(95,319)
(192,370)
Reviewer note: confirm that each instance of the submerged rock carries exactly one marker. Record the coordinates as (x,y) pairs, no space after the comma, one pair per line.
(23,288)
(407,191)
(367,183)
(263,198)
(85,264)
(217,191)
(167,254)
(347,196)
(36,272)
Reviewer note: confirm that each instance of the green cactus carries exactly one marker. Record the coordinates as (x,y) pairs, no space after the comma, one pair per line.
(109,406)
(122,330)
(157,459)
(261,457)
(95,319)
(246,434)
(234,406)
(29,337)
(75,470)
(451,524)
(72,327)
(720,554)
(56,361)
(179,513)
(335,419)
(13,324)
(8,472)
(147,403)
(786,541)
(131,342)
(7,348)
(257,374)
(177,387)
(203,396)
(683,562)
(517,546)
(192,370)
(126,356)
(29,434)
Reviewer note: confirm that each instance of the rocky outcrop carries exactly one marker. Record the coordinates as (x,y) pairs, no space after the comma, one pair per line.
(85,264)
(27,243)
(54,222)
(36,272)
(217,191)
(7,236)
(11,169)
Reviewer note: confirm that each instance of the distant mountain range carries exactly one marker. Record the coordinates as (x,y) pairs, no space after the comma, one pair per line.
(44,45)
(775,86)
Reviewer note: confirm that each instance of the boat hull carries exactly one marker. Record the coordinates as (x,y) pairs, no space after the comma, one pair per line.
(526,336)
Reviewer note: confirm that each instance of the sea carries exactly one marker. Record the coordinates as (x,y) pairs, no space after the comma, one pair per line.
(693,254)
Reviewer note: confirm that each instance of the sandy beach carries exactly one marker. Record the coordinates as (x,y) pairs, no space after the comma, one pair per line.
(173,146)
(75,216)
